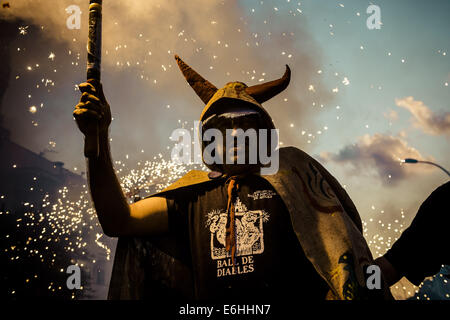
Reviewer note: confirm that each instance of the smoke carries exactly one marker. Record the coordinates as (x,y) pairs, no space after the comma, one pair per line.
(224,41)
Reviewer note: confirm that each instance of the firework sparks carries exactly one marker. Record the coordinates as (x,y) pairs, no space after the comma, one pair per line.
(23,30)
(69,222)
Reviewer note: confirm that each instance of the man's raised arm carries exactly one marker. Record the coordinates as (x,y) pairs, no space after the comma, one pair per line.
(116,216)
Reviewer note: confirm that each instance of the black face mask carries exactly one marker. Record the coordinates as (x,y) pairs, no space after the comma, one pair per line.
(248,119)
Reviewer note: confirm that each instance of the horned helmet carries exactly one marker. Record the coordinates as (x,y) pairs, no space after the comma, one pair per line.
(235,96)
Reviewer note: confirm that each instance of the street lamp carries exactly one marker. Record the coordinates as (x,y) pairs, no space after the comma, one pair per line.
(410,160)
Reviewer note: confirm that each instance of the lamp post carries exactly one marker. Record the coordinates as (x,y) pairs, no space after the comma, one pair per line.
(410,160)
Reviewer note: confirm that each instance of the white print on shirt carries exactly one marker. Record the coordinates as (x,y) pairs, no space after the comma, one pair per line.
(249,238)
(262,194)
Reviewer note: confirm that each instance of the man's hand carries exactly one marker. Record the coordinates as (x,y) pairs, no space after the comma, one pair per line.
(93,109)
(390,274)
(116,216)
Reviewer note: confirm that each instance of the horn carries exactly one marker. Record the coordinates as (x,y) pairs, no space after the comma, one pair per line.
(202,87)
(265,91)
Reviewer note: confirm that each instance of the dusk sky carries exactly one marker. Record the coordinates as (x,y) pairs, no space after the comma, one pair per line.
(359,101)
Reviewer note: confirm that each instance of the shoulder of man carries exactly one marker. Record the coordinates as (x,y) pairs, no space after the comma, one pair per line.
(294,155)
(441,193)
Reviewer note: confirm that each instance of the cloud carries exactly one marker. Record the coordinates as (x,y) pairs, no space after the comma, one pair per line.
(381,154)
(424,118)
(392,115)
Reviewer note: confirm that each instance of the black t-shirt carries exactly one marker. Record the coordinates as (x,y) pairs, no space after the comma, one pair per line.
(270,263)
(423,246)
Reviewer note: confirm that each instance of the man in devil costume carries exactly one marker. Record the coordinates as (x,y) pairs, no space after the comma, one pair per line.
(232,232)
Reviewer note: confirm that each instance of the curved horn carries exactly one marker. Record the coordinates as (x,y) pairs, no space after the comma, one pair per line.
(265,91)
(202,87)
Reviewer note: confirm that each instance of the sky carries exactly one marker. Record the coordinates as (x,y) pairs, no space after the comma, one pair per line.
(359,101)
